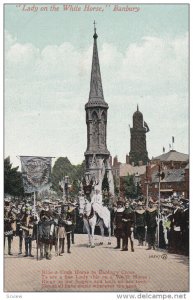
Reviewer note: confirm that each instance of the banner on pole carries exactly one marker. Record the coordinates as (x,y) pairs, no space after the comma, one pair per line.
(36,172)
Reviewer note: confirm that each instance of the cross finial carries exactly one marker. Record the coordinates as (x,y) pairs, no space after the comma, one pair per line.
(95,34)
(94,26)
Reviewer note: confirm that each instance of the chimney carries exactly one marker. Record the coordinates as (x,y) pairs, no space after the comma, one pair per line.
(127,159)
(115,161)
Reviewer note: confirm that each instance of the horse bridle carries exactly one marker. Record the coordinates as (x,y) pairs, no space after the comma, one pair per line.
(84,211)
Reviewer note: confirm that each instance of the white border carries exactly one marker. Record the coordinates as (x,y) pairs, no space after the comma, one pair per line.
(88,295)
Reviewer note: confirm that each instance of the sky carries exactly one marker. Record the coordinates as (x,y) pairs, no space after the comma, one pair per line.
(144,61)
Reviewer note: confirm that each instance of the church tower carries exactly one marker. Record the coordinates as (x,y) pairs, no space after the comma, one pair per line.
(97,155)
(138,152)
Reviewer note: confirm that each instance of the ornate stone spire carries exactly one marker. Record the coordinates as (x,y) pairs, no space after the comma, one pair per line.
(96,96)
(97,156)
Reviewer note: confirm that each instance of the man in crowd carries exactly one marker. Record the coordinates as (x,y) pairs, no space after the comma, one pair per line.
(140,223)
(128,224)
(27,226)
(8,221)
(46,230)
(118,223)
(151,223)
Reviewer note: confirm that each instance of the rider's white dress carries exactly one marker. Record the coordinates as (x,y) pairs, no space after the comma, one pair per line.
(102,211)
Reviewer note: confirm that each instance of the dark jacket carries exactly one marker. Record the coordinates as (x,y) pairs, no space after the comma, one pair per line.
(151,218)
(118,223)
(140,218)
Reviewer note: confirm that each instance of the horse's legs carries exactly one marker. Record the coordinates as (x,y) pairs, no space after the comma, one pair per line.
(92,235)
(109,232)
(86,224)
(102,231)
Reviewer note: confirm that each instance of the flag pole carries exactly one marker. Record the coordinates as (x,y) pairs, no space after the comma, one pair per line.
(34,203)
(158,217)
(147,193)
(172,142)
(36,224)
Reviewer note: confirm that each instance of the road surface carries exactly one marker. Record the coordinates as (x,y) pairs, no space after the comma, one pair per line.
(102,268)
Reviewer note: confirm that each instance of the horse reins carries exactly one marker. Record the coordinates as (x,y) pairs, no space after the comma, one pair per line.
(91,214)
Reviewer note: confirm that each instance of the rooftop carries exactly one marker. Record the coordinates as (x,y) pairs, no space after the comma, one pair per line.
(172,155)
(126,169)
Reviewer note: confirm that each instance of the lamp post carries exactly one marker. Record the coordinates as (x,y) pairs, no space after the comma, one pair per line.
(147,181)
(161,176)
(65,190)
(137,183)
(147,191)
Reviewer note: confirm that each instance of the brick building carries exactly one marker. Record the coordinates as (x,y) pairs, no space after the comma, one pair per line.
(175,166)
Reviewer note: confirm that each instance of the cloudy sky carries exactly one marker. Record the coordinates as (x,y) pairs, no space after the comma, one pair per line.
(143,57)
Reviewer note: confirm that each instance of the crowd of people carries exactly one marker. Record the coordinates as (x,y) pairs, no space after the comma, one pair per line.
(48,225)
(162,225)
(155,225)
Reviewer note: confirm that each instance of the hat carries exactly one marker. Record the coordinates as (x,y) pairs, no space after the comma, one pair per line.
(151,201)
(120,203)
(184,200)
(57,206)
(7,200)
(46,201)
(72,204)
(175,202)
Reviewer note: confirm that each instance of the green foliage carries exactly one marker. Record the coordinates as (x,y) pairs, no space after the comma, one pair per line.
(13,184)
(129,187)
(116,185)
(62,168)
(105,183)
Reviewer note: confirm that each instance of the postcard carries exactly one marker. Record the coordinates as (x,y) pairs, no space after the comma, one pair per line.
(96,102)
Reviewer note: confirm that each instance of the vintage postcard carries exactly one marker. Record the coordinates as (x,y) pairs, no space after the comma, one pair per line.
(96,149)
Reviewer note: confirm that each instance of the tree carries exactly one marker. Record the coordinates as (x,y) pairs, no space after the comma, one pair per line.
(105,183)
(116,185)
(105,190)
(13,184)
(62,168)
(77,178)
(128,186)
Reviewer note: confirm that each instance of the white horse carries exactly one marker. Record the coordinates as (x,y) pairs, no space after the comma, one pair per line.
(91,219)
